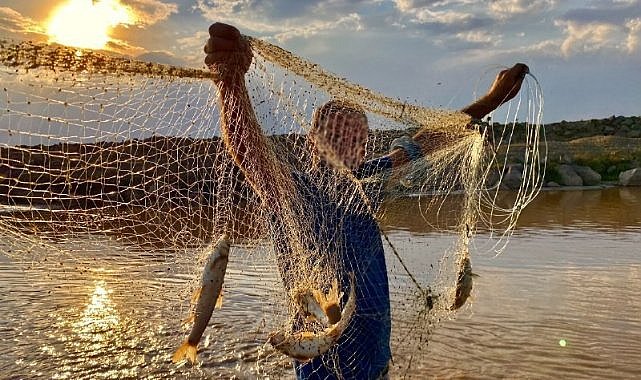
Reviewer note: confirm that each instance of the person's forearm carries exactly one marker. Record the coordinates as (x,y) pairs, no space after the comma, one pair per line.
(238,121)
(481,107)
(246,143)
(433,140)
(505,87)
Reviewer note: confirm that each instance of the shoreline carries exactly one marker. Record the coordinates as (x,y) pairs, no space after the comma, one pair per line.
(86,175)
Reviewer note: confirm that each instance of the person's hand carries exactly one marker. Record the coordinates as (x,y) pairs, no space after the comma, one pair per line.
(505,87)
(228,52)
(507,84)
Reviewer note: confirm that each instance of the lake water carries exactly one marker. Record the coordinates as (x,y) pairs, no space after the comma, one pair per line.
(562,300)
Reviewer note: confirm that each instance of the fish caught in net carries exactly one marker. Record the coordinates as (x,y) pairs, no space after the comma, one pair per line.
(117,178)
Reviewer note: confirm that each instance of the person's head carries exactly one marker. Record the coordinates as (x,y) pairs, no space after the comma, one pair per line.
(338,134)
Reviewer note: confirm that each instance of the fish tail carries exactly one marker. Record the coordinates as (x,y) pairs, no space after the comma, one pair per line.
(185,351)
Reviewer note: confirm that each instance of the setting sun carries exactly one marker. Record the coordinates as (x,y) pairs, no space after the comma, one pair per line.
(87,23)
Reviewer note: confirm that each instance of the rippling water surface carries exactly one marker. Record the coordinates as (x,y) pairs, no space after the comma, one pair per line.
(561,301)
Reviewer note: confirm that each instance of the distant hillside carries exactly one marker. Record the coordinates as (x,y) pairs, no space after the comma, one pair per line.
(160,169)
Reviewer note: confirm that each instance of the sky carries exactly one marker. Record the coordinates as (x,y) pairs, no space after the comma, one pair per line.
(586,55)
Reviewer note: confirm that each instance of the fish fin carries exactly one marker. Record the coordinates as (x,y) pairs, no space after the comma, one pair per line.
(474,274)
(219,300)
(185,351)
(189,319)
(334,294)
(196,295)
(319,297)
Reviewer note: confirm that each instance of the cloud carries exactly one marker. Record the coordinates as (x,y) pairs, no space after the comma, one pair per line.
(149,12)
(283,20)
(509,8)
(282,10)
(123,47)
(448,27)
(163,57)
(612,26)
(14,24)
(411,5)
(351,21)
(425,16)
(587,37)
(504,25)
(190,48)
(606,25)
(612,12)
(633,41)
(590,37)
(442,17)
(479,37)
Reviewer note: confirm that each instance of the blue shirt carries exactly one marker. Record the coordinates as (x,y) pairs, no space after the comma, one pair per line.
(349,231)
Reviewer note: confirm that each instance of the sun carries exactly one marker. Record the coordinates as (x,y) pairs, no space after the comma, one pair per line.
(87,23)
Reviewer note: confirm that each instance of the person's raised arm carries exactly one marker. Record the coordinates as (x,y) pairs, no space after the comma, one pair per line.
(229,57)
(505,87)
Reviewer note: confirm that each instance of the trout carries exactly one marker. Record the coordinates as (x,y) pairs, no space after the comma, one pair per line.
(305,345)
(322,307)
(206,299)
(464,284)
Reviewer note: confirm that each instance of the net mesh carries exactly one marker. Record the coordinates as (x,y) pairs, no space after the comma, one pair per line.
(114,171)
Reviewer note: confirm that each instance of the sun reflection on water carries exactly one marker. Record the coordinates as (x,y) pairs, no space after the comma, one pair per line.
(100,316)
(104,339)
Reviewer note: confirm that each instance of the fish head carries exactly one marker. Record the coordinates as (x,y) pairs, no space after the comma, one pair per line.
(276,338)
(223,245)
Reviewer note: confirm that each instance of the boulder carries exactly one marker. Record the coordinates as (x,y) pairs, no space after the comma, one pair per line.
(513,177)
(568,177)
(630,177)
(492,178)
(588,175)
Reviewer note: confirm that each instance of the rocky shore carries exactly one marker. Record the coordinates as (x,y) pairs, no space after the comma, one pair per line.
(579,153)
(589,152)
(159,170)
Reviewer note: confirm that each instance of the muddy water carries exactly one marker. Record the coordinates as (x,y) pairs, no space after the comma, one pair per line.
(561,301)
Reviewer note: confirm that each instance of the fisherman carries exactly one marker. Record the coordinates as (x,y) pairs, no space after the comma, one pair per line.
(337,138)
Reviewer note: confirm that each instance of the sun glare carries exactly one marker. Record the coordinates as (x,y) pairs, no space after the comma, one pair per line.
(87,23)
(100,315)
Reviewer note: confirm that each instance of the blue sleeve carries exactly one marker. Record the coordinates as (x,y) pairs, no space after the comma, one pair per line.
(374,167)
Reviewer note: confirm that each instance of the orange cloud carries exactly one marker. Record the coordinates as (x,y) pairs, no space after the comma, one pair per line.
(14,24)
(149,12)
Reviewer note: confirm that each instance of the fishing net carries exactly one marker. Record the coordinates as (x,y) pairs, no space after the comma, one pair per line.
(115,182)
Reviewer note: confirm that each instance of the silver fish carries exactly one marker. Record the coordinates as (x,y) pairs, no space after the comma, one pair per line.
(307,345)
(206,298)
